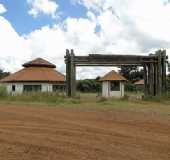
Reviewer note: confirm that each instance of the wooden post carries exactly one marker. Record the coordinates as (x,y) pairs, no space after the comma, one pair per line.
(151,80)
(145,80)
(148,84)
(155,79)
(72,74)
(67,61)
(159,73)
(164,71)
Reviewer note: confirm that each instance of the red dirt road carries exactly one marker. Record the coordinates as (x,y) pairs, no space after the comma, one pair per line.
(49,133)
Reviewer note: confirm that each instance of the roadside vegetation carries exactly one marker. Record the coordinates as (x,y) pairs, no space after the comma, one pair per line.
(89,93)
(88,100)
(37,97)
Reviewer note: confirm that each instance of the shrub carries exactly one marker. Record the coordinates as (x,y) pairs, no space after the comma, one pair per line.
(130,87)
(3,91)
(89,85)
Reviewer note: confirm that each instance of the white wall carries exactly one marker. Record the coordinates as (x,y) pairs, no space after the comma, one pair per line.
(45,87)
(18,88)
(106,90)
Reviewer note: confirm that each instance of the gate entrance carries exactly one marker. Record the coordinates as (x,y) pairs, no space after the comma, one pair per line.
(154,69)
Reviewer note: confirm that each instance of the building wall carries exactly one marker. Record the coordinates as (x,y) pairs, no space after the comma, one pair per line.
(18,88)
(106,91)
(45,87)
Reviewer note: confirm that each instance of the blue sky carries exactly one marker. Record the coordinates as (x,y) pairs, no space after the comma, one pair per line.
(46,28)
(24,23)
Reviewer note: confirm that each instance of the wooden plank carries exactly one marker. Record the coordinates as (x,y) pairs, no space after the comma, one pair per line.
(114,59)
(106,65)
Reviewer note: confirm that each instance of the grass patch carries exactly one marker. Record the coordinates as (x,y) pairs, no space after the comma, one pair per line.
(3,91)
(89,101)
(165,98)
(41,97)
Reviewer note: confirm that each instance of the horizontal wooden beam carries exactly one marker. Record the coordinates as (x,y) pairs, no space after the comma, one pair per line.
(113,60)
(108,64)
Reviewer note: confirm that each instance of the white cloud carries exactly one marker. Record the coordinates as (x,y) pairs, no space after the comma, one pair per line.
(2,9)
(47,7)
(117,26)
(13,49)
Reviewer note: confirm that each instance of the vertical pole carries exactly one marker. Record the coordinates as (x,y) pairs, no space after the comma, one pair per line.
(73,74)
(67,61)
(164,71)
(149,79)
(145,80)
(159,73)
(155,79)
(151,83)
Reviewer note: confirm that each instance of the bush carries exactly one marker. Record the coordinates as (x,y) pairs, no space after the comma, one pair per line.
(89,85)
(3,91)
(130,87)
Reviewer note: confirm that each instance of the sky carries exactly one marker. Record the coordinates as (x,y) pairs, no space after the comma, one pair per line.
(46,28)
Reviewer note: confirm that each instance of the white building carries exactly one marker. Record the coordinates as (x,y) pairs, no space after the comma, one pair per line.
(113,85)
(37,75)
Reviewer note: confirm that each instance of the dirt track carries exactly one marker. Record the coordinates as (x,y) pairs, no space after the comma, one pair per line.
(47,133)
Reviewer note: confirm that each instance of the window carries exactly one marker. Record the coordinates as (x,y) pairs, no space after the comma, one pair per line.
(57,88)
(32,88)
(13,88)
(115,85)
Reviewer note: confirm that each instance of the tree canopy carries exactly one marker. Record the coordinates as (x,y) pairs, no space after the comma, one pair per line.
(89,85)
(3,74)
(131,73)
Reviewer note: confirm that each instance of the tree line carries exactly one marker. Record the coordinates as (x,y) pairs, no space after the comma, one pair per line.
(131,73)
(3,74)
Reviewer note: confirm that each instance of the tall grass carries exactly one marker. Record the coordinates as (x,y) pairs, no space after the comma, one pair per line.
(161,98)
(40,97)
(3,91)
(60,98)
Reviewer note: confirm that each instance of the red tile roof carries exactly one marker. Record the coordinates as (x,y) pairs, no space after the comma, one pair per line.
(36,73)
(112,76)
(39,62)
(140,82)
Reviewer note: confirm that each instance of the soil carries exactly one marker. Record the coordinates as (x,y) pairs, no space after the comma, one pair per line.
(55,133)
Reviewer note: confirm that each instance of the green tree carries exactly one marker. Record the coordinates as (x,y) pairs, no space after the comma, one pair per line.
(131,73)
(3,74)
(89,85)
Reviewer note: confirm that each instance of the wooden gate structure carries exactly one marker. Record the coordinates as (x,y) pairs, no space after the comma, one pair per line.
(154,69)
